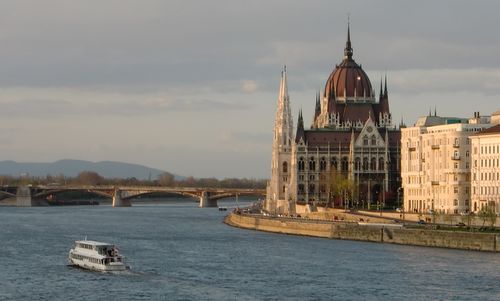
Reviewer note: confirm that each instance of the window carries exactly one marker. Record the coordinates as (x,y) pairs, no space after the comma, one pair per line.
(365,163)
(301,164)
(374,140)
(357,163)
(285,167)
(365,140)
(322,164)
(333,163)
(345,164)
(381,163)
(373,165)
(312,164)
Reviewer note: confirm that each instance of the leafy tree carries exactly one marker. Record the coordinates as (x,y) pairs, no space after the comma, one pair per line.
(89,178)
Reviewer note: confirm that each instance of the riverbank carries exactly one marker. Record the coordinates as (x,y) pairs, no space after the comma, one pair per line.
(372,232)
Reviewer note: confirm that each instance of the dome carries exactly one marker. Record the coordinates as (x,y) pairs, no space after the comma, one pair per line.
(348,81)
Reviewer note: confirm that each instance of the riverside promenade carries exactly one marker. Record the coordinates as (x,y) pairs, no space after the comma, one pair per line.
(369,231)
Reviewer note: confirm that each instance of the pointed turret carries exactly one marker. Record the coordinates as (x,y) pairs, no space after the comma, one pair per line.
(380,95)
(318,106)
(300,128)
(385,87)
(384,100)
(348,48)
(283,122)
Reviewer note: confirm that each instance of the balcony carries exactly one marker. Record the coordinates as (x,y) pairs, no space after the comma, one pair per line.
(456,145)
(435,146)
(455,157)
(434,183)
(412,149)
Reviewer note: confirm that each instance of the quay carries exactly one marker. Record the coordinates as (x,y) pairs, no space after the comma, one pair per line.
(370,232)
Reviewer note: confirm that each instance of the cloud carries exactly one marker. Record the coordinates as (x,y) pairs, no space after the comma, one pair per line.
(249,86)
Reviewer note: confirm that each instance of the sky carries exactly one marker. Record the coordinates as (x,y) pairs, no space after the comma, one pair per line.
(191,87)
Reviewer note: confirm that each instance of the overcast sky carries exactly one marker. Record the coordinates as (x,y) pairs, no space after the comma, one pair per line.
(191,86)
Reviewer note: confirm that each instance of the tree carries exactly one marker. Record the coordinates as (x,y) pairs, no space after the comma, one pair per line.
(341,187)
(89,178)
(488,214)
(166,179)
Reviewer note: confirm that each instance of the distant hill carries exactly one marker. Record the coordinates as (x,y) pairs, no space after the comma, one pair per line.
(71,168)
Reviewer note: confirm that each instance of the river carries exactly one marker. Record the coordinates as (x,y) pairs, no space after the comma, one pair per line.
(180,252)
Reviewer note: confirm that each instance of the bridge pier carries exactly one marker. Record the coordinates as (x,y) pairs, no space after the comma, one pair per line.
(118,201)
(205,200)
(23,197)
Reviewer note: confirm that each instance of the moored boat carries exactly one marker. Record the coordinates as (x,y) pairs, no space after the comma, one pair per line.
(97,256)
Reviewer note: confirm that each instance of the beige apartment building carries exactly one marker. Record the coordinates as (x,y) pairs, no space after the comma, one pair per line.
(436,163)
(486,169)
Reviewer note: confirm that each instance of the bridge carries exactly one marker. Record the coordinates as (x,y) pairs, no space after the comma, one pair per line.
(37,195)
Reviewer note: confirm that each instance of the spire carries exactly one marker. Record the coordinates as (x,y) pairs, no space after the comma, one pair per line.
(380,97)
(318,105)
(283,121)
(435,111)
(348,47)
(385,86)
(300,128)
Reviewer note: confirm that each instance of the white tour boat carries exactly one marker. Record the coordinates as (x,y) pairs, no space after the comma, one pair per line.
(97,256)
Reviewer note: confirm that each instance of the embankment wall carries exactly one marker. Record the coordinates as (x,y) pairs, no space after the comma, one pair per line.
(376,233)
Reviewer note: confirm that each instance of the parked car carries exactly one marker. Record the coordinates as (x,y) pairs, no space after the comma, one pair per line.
(399,210)
(421,222)
(461,225)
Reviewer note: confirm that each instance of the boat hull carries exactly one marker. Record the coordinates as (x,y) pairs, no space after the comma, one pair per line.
(87,263)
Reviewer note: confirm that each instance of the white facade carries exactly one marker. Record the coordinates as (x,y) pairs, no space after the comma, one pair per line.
(435,164)
(486,170)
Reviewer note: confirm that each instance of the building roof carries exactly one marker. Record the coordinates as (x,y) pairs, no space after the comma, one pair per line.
(496,113)
(322,137)
(490,131)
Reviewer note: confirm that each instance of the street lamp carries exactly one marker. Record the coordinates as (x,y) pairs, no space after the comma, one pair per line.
(401,205)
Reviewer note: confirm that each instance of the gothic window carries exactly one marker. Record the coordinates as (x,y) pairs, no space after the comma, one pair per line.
(455,202)
(334,163)
(374,140)
(373,165)
(322,164)
(381,163)
(301,188)
(467,153)
(357,163)
(345,164)
(322,188)
(365,140)
(285,167)
(365,163)
(301,164)
(312,164)
(312,188)
(284,187)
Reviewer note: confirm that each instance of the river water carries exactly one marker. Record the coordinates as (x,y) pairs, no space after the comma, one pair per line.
(180,252)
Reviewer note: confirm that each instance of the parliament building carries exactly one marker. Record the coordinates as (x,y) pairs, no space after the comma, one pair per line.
(350,155)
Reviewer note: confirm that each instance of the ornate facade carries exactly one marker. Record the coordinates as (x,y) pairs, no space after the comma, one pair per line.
(352,140)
